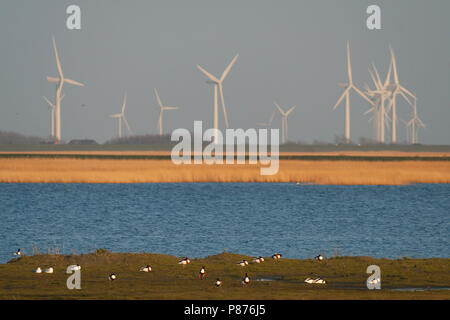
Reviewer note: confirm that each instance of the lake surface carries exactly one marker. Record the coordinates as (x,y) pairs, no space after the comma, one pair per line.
(201,219)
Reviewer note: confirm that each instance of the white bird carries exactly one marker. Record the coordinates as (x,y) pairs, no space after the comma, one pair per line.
(147,268)
(18,252)
(258,260)
(319,258)
(48,270)
(315,281)
(276,256)
(112,277)
(202,273)
(246,280)
(38,270)
(218,282)
(242,263)
(77,267)
(184,261)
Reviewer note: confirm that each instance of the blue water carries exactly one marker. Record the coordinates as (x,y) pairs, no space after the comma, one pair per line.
(205,218)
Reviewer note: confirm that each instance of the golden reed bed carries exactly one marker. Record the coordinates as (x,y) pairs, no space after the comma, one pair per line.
(59,170)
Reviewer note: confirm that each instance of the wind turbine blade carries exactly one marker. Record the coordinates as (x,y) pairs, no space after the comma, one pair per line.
(340,99)
(271,118)
(76,83)
(376,73)
(170,108)
(279,109)
(126,123)
(349,66)
(225,73)
(362,94)
(374,80)
(157,98)
(388,77)
(117,115)
(209,75)
(124,103)
(49,103)
(290,110)
(402,88)
(405,97)
(223,103)
(394,64)
(58,63)
(52,79)
(369,111)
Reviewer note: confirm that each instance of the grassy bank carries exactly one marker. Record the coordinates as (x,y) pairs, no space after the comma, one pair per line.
(345,277)
(335,171)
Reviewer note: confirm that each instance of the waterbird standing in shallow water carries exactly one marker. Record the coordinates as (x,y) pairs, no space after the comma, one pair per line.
(18,252)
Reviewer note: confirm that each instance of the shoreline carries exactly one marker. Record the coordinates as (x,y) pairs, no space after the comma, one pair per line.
(345,277)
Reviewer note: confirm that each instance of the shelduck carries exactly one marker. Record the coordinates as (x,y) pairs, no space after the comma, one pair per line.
(38,270)
(184,261)
(245,281)
(112,277)
(18,252)
(243,263)
(319,258)
(276,256)
(202,273)
(147,268)
(218,282)
(258,260)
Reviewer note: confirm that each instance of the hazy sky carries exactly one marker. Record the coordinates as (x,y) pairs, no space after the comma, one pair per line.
(290,51)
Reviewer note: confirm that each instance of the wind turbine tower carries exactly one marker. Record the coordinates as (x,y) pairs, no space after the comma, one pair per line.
(346,94)
(60,81)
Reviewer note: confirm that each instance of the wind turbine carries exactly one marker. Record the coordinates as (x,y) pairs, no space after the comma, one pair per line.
(121,116)
(160,121)
(284,123)
(397,88)
(267,124)
(60,81)
(415,123)
(380,95)
(53,108)
(346,94)
(218,86)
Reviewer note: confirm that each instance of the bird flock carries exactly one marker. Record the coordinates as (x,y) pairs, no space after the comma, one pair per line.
(382,100)
(202,273)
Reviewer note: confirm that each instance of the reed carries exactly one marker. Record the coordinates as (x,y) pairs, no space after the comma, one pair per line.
(71,170)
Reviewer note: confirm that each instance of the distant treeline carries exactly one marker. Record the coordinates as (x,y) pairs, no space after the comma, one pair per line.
(142,139)
(8,137)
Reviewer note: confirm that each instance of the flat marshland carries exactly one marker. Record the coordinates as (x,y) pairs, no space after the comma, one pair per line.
(283,279)
(335,168)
